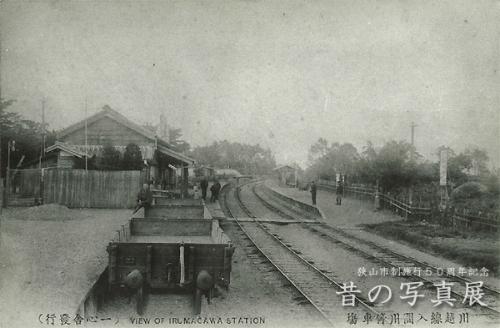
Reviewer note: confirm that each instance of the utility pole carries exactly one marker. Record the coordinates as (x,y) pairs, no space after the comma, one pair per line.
(412,159)
(11,146)
(412,126)
(42,154)
(2,196)
(86,151)
(43,127)
(42,146)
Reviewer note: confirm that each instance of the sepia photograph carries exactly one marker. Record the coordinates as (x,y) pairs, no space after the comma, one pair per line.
(249,163)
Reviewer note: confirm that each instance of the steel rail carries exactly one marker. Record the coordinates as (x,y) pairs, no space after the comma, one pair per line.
(402,258)
(302,260)
(261,251)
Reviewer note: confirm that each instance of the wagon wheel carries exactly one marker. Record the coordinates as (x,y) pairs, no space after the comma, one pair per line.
(197,301)
(139,298)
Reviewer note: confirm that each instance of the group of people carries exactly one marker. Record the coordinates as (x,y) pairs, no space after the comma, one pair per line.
(339,191)
(214,190)
(145,195)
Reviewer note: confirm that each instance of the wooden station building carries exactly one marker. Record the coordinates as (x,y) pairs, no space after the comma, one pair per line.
(286,174)
(87,138)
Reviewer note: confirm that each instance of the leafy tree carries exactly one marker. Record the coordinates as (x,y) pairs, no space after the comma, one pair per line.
(318,150)
(132,158)
(174,137)
(331,160)
(366,169)
(478,157)
(176,141)
(247,159)
(91,163)
(392,165)
(110,157)
(26,133)
(492,181)
(458,165)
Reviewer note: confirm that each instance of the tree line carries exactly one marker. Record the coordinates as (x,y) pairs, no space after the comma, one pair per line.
(27,134)
(111,159)
(396,164)
(246,159)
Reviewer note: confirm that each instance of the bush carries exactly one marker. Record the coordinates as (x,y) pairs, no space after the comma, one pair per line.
(132,158)
(110,158)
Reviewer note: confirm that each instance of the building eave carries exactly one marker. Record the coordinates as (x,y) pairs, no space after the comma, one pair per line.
(183,159)
(64,147)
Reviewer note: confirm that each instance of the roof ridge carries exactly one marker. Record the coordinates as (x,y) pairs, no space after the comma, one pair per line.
(113,114)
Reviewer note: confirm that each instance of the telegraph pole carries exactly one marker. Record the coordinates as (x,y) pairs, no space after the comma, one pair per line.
(412,159)
(1,181)
(43,126)
(412,126)
(42,154)
(86,141)
(42,146)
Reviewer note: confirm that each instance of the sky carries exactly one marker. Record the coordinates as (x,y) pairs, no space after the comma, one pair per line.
(278,73)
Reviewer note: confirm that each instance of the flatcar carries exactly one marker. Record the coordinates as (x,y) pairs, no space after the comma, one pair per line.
(171,247)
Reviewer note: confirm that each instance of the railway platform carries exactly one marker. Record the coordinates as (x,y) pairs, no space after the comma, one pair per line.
(215,209)
(352,213)
(349,215)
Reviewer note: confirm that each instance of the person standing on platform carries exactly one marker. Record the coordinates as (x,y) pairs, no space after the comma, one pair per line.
(313,192)
(144,197)
(204,187)
(339,192)
(217,188)
(212,192)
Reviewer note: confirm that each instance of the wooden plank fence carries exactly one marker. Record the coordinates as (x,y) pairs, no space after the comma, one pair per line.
(96,189)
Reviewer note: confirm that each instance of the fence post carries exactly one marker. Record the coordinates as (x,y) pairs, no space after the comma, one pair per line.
(6,190)
(1,194)
(377,200)
(41,195)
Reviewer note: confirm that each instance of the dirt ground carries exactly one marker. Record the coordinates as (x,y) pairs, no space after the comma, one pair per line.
(50,255)
(471,249)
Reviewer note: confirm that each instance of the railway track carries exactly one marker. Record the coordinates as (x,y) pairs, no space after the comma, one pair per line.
(318,288)
(388,257)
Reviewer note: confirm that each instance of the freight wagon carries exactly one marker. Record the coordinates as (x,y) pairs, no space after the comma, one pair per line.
(172,248)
